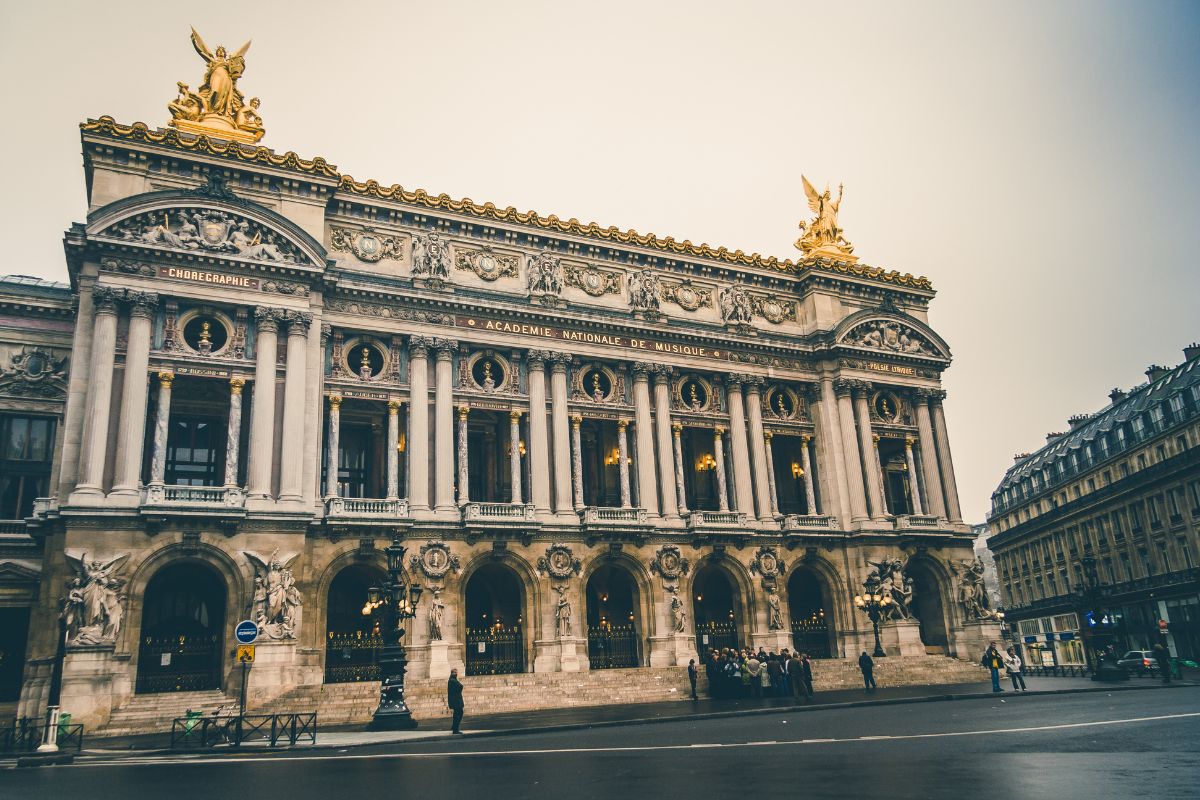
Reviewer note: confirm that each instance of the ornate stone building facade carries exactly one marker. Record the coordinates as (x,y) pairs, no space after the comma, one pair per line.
(603,449)
(1095,534)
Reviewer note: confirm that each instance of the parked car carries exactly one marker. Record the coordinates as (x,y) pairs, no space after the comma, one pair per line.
(1139,662)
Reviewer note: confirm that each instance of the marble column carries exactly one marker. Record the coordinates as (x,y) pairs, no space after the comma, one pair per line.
(854,461)
(770,448)
(743,488)
(930,480)
(647,484)
(291,456)
(878,462)
(464,474)
(719,457)
(443,426)
(662,425)
(680,490)
(393,453)
(559,417)
(131,430)
(623,463)
(333,446)
(514,455)
(539,439)
(949,485)
(577,461)
(758,449)
(810,494)
(262,404)
(913,486)
(870,460)
(162,423)
(417,436)
(835,498)
(94,448)
(233,432)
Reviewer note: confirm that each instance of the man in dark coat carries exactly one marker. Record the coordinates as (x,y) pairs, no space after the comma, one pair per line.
(795,673)
(868,670)
(808,676)
(1163,657)
(454,700)
(693,674)
(993,661)
(712,671)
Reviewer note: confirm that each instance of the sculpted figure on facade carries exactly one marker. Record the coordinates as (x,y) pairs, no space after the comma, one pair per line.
(206,230)
(218,107)
(431,256)
(972,594)
(736,308)
(545,274)
(889,576)
(94,606)
(822,238)
(644,290)
(275,603)
(774,612)
(888,335)
(562,612)
(678,612)
(437,614)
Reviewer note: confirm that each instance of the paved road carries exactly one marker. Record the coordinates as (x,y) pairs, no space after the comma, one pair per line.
(1099,745)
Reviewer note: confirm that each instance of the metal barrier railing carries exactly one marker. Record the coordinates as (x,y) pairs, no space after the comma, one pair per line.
(26,734)
(235,730)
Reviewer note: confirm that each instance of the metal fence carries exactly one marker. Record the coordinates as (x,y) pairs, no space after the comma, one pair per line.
(352,657)
(273,729)
(612,646)
(495,651)
(25,734)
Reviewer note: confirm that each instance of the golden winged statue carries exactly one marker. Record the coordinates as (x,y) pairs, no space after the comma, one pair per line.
(822,238)
(218,108)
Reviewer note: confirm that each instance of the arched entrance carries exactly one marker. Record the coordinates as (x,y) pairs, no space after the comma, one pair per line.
(811,611)
(183,630)
(714,608)
(929,606)
(612,618)
(351,641)
(495,621)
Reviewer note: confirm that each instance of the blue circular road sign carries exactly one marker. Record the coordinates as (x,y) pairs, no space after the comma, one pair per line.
(246,631)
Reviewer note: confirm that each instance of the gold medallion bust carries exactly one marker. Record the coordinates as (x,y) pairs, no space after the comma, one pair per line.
(218,109)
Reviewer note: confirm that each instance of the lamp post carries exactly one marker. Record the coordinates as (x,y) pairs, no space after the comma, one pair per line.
(391,605)
(1089,599)
(874,603)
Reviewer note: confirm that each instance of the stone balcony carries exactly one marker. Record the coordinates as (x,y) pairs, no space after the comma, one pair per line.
(225,501)
(919,522)
(602,522)
(804,523)
(365,510)
(717,520)
(503,520)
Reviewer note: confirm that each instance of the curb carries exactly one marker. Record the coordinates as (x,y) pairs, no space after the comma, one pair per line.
(696,717)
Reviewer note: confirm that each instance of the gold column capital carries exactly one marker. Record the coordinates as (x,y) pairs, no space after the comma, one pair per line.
(394,407)
(236,384)
(718,431)
(768,435)
(514,415)
(335,401)
(805,438)
(677,428)
(463,411)
(576,421)
(622,424)
(165,378)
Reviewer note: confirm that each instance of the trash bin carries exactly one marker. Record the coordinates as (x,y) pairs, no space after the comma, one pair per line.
(192,718)
(64,722)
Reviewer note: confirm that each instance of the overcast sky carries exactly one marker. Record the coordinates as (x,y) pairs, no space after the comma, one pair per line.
(1037,161)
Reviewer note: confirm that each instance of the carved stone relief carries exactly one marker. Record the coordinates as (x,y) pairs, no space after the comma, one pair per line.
(596,282)
(367,244)
(486,263)
(208,230)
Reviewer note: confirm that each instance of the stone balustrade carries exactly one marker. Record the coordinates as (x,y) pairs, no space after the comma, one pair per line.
(600,515)
(500,512)
(365,508)
(808,522)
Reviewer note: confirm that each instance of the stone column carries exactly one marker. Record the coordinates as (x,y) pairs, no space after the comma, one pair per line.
(930,480)
(662,426)
(879,472)
(464,474)
(539,440)
(99,396)
(577,461)
(647,485)
(291,457)
(870,460)
(131,430)
(806,464)
(162,422)
(829,453)
(676,431)
(262,404)
(758,448)
(514,454)
(743,489)
(719,457)
(623,464)
(333,445)
(854,463)
(913,485)
(562,441)
(393,454)
(949,485)
(443,426)
(773,494)
(417,438)
(233,432)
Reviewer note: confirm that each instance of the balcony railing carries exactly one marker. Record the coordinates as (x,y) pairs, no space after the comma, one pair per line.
(599,515)
(717,519)
(809,522)
(916,521)
(498,512)
(365,508)
(12,526)
(187,497)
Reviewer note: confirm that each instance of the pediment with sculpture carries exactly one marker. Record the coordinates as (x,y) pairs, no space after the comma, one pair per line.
(889,335)
(209,231)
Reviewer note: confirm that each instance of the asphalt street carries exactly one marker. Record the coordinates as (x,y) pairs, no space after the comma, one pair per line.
(1095,745)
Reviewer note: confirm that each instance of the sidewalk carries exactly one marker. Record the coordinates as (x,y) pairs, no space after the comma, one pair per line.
(638,714)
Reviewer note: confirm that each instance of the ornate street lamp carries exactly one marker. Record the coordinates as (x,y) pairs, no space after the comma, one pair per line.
(1089,600)
(874,603)
(390,605)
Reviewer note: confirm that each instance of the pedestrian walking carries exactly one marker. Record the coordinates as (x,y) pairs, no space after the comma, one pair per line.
(693,674)
(868,671)
(795,669)
(454,699)
(993,661)
(1013,665)
(1163,657)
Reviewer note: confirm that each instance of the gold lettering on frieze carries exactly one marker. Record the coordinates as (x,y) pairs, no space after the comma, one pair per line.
(202,372)
(613,340)
(875,366)
(204,276)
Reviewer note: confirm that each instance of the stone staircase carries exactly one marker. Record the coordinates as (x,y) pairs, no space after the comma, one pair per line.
(153,713)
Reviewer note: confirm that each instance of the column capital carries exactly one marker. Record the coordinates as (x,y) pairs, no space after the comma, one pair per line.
(576,421)
(236,385)
(445,348)
(936,396)
(105,299)
(559,362)
(142,304)
(298,322)
(166,378)
(927,394)
(662,374)
(861,387)
(718,431)
(805,439)
(875,438)
(268,318)
(641,370)
(536,359)
(514,415)
(622,424)
(908,442)
(394,407)
(734,380)
(768,435)
(753,383)
(418,346)
(843,386)
(464,411)
(335,401)
(677,428)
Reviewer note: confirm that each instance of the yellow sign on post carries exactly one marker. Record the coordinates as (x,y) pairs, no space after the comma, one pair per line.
(245,654)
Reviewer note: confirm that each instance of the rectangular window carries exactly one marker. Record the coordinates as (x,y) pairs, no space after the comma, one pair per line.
(26,450)
(1124,469)
(1155,515)
(1135,517)
(1161,452)
(1175,503)
(1194,491)
(1181,443)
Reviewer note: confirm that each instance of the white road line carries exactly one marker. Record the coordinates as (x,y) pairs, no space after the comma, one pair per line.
(281,759)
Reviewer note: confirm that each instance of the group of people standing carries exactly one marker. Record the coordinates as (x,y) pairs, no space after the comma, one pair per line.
(735,673)
(1008,661)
